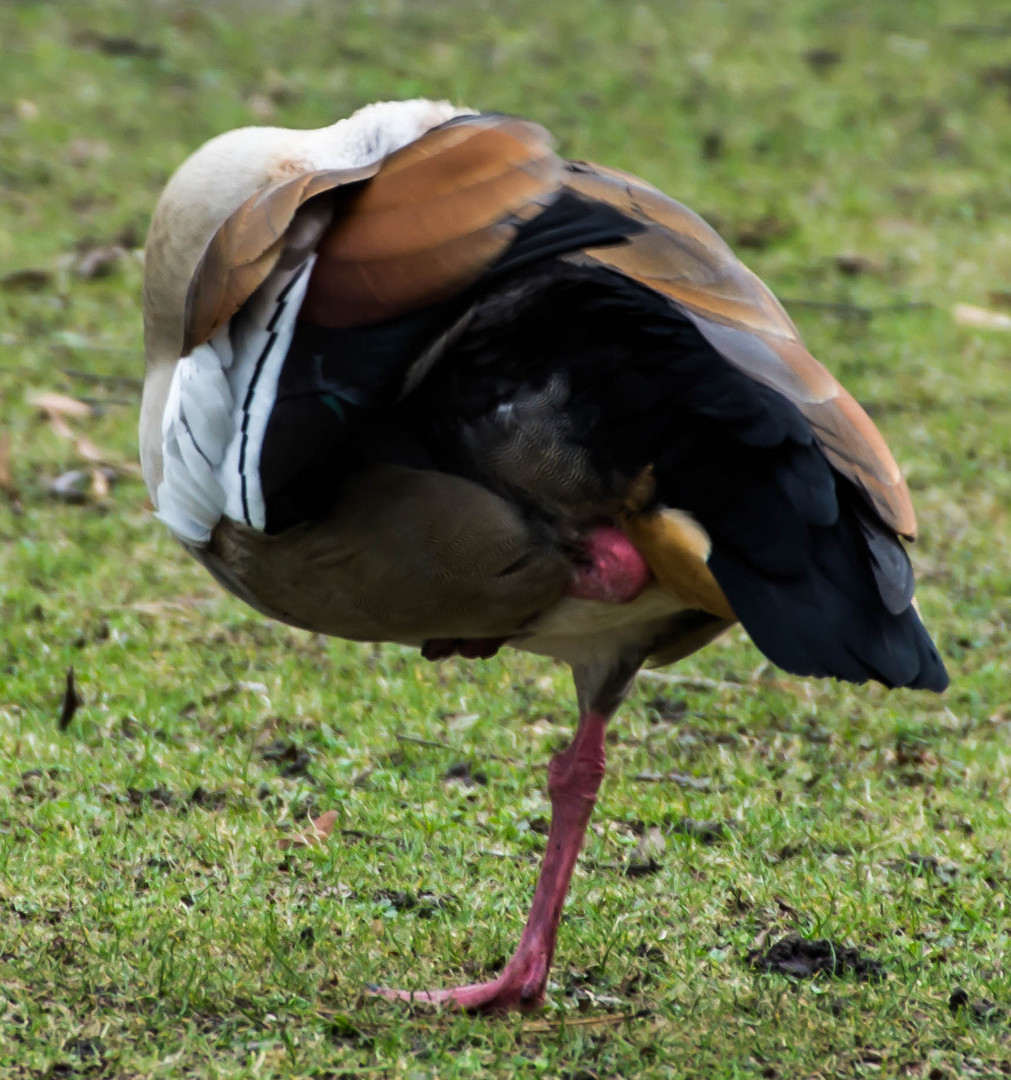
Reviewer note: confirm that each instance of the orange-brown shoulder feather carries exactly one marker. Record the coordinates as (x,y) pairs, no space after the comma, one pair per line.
(680,256)
(434,218)
(247,246)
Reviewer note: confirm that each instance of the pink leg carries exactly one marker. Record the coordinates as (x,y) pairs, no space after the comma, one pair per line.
(574,777)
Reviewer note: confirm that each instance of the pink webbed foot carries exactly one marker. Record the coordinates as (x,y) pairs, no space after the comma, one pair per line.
(519,987)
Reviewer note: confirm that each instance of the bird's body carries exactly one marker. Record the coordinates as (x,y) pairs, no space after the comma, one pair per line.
(415,378)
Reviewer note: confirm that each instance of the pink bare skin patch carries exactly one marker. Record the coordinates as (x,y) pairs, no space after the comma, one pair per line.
(613,570)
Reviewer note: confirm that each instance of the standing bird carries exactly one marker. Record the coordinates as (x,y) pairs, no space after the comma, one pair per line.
(415,378)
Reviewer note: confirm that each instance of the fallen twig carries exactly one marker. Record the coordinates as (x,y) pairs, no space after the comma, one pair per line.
(699,783)
(435,744)
(321,828)
(581,1021)
(126,381)
(531,1026)
(691,682)
(978,29)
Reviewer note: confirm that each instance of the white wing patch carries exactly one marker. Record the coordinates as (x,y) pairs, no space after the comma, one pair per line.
(217,411)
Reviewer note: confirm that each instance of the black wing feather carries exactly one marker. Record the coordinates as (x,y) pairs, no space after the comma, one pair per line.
(817,580)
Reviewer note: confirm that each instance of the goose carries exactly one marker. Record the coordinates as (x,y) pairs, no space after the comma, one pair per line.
(413,377)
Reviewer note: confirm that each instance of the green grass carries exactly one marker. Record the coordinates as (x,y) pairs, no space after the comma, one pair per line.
(146,931)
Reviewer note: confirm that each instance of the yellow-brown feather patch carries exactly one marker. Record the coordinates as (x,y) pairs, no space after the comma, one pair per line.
(676,548)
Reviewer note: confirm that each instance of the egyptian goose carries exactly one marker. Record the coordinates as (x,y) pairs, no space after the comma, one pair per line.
(415,378)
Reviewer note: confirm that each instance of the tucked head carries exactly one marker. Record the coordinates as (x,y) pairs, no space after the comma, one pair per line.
(216,181)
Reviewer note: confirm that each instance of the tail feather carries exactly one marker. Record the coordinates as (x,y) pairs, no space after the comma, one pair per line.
(846,613)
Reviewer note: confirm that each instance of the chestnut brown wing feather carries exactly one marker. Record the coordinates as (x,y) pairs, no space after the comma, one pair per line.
(247,246)
(435,217)
(680,256)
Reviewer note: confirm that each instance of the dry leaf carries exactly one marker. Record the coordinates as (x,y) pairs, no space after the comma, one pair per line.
(261,107)
(117,45)
(89,451)
(60,405)
(99,484)
(28,280)
(99,262)
(69,486)
(82,485)
(645,858)
(852,265)
(982,318)
(60,426)
(72,700)
(822,59)
(57,407)
(319,831)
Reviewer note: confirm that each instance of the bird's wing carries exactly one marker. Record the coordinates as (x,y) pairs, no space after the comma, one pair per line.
(391,241)
(679,256)
(247,246)
(412,253)
(431,219)
(436,216)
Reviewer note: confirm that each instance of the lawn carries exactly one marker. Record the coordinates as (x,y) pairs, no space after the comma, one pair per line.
(152,925)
